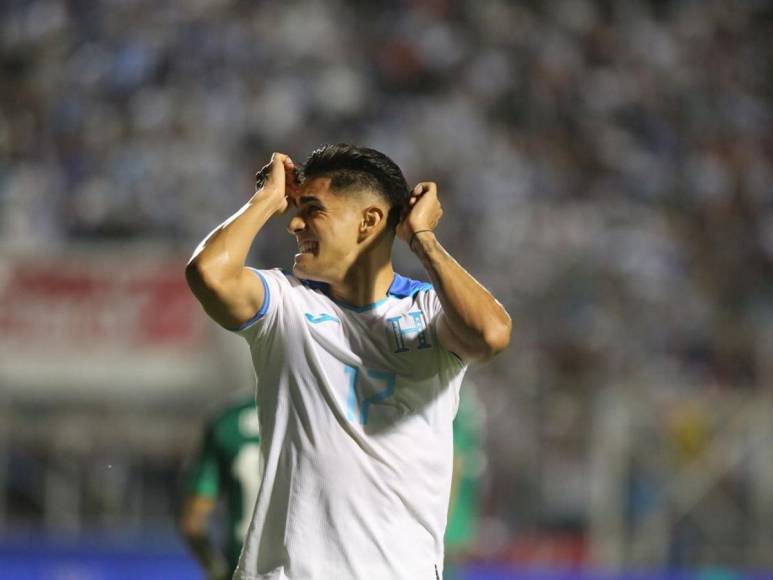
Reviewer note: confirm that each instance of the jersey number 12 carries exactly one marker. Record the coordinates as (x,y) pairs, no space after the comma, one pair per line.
(357,406)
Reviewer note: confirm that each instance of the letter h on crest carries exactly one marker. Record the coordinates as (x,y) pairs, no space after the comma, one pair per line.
(419,328)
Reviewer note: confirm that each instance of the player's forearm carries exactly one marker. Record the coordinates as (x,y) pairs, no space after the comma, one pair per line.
(474,316)
(223,253)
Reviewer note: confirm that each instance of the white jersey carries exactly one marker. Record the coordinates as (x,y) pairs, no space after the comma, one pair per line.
(356,407)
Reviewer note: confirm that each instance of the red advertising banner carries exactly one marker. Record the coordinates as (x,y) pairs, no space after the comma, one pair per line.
(76,302)
(86,318)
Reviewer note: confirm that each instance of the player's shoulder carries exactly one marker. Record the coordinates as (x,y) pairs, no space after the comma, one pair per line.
(278,276)
(404,287)
(282,285)
(406,295)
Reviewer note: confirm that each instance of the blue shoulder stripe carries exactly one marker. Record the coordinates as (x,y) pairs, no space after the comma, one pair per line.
(403,287)
(263,308)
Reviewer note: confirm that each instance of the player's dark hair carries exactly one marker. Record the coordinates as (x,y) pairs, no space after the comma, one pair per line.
(350,167)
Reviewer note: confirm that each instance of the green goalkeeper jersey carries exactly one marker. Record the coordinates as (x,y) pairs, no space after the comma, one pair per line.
(228,465)
(465,508)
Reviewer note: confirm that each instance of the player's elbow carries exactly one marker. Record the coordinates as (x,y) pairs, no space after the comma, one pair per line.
(201,280)
(194,275)
(496,338)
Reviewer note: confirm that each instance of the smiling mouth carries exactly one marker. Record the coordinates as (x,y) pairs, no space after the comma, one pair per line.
(308,247)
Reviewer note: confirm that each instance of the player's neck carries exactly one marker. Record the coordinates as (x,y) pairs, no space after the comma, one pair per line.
(365,283)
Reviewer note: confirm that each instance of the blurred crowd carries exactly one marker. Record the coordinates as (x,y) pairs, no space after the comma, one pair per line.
(606,168)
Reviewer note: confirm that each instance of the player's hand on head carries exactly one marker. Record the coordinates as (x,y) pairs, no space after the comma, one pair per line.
(292,180)
(278,181)
(423,212)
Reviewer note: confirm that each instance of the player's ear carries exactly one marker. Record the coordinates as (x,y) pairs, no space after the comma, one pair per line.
(372,218)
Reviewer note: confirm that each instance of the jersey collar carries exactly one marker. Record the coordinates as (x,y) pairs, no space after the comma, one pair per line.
(401,287)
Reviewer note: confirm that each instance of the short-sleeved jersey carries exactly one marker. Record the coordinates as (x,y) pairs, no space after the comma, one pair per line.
(355,410)
(228,465)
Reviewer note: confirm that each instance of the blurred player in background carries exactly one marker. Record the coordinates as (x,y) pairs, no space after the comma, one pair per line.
(358,368)
(226,466)
(466,486)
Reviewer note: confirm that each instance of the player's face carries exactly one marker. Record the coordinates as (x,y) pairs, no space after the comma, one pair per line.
(326,227)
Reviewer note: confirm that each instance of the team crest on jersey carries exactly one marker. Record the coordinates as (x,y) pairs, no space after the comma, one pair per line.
(408,332)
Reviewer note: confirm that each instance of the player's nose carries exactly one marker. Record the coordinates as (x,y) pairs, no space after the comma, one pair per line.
(296,225)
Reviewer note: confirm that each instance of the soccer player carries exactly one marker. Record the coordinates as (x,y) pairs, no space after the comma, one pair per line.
(464,512)
(226,465)
(358,367)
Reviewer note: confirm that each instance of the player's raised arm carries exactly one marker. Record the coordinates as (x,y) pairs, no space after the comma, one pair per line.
(473,323)
(216,272)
